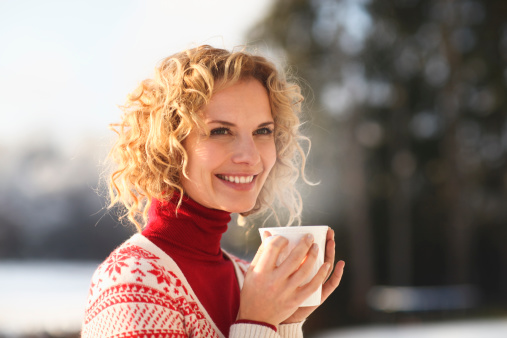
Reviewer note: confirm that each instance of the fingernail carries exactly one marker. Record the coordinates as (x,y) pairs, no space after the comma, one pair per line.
(309,238)
(315,247)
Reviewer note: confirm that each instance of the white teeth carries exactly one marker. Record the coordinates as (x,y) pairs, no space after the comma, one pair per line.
(237,179)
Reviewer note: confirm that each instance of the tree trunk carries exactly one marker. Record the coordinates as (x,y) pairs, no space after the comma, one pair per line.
(459,227)
(358,223)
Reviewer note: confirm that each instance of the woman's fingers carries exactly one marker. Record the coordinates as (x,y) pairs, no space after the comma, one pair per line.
(303,312)
(272,294)
(293,262)
(306,290)
(272,247)
(330,250)
(333,282)
(265,235)
(306,268)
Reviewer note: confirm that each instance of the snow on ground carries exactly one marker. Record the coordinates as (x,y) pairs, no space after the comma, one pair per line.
(457,329)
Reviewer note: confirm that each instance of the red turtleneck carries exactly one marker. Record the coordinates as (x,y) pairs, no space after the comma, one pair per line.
(192,239)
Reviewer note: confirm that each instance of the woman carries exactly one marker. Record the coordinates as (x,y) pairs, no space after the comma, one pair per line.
(214,133)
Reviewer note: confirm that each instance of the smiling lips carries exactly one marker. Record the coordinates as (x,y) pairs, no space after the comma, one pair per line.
(237,179)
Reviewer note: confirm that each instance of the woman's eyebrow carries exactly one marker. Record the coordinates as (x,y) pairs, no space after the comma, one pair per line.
(230,124)
(265,124)
(222,122)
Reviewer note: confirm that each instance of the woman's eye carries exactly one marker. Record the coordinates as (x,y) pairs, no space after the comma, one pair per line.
(264,131)
(220,131)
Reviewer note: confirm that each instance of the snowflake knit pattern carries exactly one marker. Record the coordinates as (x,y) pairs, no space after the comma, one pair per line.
(140,292)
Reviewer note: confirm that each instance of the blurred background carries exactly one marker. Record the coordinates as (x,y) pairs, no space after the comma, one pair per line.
(405,106)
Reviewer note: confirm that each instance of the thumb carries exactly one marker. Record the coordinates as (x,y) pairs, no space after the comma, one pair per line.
(265,235)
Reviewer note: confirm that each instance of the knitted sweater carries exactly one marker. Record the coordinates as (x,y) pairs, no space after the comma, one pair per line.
(139,291)
(144,288)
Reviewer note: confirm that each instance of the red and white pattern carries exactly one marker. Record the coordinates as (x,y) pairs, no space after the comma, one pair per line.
(139,291)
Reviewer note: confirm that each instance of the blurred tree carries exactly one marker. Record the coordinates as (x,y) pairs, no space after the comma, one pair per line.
(10,239)
(49,208)
(90,231)
(409,133)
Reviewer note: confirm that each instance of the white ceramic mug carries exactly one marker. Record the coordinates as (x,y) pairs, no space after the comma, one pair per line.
(294,235)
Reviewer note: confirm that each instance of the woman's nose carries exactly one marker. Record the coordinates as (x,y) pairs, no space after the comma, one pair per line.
(245,151)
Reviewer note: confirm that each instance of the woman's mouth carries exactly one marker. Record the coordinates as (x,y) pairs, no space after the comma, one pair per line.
(236,179)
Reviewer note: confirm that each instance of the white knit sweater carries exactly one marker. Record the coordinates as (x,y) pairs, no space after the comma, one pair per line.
(139,291)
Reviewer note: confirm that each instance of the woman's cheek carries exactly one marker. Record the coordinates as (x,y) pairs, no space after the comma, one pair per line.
(272,156)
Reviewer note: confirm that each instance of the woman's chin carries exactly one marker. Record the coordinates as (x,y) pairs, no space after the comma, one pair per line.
(240,209)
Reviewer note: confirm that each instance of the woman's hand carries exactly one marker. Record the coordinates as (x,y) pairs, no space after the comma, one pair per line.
(273,294)
(331,284)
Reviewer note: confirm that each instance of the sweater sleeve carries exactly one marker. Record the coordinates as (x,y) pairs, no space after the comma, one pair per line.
(248,330)
(291,330)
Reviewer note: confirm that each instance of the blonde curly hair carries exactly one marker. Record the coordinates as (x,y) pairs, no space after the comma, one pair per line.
(149,157)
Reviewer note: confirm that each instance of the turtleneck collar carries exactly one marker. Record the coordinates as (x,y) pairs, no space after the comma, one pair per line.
(193,230)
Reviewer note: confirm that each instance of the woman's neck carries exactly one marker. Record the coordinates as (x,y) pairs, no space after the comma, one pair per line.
(192,230)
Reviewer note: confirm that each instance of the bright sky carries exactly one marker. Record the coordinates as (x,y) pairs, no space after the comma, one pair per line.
(66,65)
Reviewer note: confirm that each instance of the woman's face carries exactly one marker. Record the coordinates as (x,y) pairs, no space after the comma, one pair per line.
(227,170)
